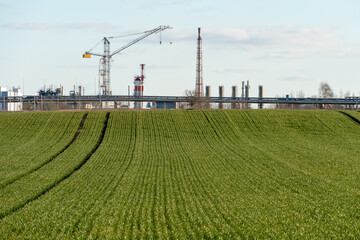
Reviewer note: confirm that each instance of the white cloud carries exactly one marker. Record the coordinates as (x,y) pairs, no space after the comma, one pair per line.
(222,69)
(70,26)
(298,78)
(155,4)
(158,66)
(286,36)
(77,66)
(284,42)
(290,54)
(91,66)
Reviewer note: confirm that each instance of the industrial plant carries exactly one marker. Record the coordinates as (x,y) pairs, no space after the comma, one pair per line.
(7,95)
(54,98)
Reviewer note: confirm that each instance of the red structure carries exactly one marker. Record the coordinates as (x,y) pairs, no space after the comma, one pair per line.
(199,88)
(139,86)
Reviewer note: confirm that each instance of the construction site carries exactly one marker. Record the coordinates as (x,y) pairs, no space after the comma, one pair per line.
(199,98)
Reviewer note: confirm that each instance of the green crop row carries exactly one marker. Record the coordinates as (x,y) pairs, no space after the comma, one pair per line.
(30,139)
(198,174)
(33,185)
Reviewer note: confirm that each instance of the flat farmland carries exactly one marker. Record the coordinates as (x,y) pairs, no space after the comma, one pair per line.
(228,174)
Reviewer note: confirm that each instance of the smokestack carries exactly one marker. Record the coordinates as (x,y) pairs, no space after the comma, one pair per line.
(221,94)
(234,95)
(139,87)
(261,95)
(247,93)
(207,91)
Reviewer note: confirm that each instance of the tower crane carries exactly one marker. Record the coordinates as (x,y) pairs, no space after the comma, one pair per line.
(104,69)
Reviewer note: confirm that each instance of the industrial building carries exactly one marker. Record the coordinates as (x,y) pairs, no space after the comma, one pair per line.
(9,93)
(49,99)
(165,105)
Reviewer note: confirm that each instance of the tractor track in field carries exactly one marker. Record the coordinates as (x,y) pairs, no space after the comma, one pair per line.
(81,125)
(351,117)
(23,204)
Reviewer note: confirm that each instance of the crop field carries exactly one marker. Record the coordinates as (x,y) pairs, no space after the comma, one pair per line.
(228,174)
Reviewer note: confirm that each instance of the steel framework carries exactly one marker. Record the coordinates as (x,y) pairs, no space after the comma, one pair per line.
(199,88)
(354,101)
(104,68)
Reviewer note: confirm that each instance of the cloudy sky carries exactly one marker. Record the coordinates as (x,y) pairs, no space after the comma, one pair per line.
(286,46)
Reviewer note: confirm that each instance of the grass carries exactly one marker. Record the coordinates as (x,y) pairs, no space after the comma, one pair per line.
(193,174)
(30,139)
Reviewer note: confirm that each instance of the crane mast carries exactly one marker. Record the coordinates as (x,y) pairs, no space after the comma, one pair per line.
(104,68)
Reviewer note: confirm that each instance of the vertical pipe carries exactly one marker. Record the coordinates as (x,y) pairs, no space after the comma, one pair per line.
(221,94)
(234,105)
(242,94)
(128,96)
(247,90)
(247,93)
(142,84)
(207,95)
(261,95)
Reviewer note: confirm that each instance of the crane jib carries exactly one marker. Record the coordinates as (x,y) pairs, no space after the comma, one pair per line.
(104,68)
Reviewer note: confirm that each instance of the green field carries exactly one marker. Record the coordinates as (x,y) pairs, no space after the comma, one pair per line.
(229,174)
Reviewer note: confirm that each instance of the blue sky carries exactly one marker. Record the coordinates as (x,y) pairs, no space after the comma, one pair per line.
(286,46)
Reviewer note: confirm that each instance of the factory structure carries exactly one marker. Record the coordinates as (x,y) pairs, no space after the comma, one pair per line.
(242,102)
(106,56)
(10,94)
(49,99)
(199,87)
(139,87)
(105,90)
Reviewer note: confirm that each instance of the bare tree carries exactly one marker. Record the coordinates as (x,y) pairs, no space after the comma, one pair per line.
(195,102)
(325,90)
(190,97)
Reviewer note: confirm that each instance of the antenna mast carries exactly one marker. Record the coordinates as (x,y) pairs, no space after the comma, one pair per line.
(199,88)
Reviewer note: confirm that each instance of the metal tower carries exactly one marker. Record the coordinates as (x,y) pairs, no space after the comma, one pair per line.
(139,87)
(104,69)
(199,88)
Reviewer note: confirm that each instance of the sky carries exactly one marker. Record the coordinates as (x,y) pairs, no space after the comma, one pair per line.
(286,46)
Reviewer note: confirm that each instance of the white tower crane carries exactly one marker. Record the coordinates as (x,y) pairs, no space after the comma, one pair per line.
(106,57)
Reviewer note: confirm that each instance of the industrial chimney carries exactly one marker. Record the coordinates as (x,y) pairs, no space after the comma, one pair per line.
(139,87)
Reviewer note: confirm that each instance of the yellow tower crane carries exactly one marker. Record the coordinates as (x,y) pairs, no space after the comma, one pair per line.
(104,68)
